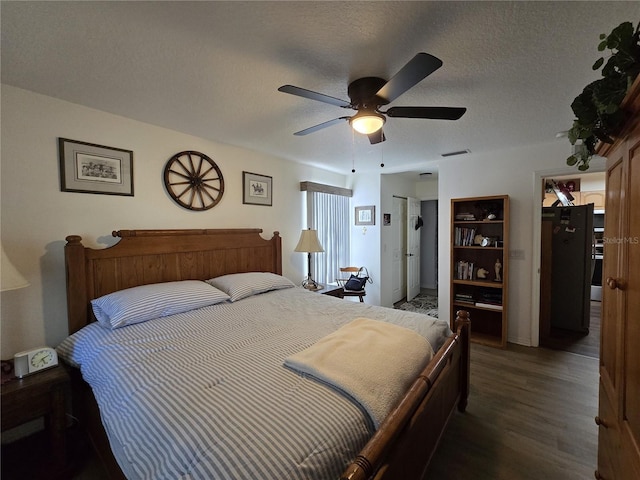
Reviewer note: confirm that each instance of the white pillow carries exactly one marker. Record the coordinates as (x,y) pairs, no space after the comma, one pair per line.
(242,285)
(147,302)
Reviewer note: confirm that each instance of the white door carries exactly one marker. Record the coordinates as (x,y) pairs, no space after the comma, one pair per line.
(413,248)
(399,248)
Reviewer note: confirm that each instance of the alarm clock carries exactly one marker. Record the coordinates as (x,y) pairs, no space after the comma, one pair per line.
(32,361)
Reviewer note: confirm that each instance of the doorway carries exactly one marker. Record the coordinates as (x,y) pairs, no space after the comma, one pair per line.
(569,316)
(429,246)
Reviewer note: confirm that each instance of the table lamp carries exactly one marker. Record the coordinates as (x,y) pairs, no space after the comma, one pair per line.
(10,277)
(309,244)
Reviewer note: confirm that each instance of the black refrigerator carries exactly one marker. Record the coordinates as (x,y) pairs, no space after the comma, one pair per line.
(572,265)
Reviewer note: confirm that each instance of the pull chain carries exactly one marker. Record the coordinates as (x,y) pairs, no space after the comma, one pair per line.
(353,151)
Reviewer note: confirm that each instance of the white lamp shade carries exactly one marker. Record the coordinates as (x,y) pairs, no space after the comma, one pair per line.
(309,242)
(367,122)
(10,277)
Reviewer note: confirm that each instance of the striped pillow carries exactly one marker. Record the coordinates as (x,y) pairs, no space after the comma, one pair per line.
(242,285)
(147,302)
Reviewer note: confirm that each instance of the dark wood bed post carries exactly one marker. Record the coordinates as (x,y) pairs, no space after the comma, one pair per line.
(463,328)
(372,460)
(277,266)
(76,283)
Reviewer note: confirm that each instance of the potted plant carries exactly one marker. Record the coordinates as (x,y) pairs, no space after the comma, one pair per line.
(597,109)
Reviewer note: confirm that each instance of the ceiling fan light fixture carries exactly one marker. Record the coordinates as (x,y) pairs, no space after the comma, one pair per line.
(367,121)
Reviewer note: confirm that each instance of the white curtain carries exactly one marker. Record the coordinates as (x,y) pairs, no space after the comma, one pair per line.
(330,217)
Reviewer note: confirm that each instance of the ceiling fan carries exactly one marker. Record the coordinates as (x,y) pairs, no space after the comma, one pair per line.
(368,94)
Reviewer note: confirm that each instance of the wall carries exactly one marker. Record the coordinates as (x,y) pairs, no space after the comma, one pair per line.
(427,189)
(37,216)
(365,240)
(592,181)
(517,173)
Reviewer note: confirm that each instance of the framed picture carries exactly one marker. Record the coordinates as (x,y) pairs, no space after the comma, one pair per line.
(366,215)
(256,189)
(386,219)
(90,168)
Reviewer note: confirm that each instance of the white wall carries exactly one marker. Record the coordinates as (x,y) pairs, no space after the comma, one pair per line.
(427,189)
(365,240)
(592,182)
(37,216)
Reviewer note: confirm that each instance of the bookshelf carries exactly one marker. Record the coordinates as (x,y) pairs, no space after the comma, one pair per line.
(480,265)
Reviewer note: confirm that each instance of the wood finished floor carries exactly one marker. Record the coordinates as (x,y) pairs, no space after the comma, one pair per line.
(530,416)
(588,345)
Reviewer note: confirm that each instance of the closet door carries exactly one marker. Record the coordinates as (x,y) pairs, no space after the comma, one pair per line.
(630,412)
(611,326)
(619,409)
(612,297)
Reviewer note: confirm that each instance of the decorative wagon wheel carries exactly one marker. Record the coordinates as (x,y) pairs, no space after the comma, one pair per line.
(193,180)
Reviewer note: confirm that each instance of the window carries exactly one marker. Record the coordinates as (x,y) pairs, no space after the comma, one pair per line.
(328,213)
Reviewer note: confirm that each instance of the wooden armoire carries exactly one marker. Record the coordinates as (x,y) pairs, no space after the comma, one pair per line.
(619,408)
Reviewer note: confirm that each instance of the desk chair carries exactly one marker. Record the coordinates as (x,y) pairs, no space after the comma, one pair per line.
(345,274)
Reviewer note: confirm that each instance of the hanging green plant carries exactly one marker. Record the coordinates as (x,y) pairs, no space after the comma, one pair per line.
(597,109)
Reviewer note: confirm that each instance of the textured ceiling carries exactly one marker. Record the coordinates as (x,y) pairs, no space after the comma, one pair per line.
(212,69)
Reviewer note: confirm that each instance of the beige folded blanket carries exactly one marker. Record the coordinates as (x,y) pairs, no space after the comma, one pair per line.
(371,361)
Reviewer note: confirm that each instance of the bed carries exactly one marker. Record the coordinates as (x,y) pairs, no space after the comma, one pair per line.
(399,447)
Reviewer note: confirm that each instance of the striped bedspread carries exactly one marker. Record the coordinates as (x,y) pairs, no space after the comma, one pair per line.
(205,395)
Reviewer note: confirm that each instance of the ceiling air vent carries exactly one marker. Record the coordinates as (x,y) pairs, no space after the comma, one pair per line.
(459,152)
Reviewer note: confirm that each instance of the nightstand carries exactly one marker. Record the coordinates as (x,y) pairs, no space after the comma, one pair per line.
(331,290)
(41,394)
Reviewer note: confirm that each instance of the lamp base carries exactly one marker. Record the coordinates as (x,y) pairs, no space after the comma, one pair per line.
(310,284)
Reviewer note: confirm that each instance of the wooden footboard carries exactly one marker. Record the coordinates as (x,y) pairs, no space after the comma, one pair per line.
(405,442)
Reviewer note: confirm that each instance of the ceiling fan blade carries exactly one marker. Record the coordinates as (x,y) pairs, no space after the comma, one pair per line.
(320,97)
(435,113)
(418,68)
(320,126)
(376,137)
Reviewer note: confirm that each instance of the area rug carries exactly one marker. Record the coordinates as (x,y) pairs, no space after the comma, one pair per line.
(426,304)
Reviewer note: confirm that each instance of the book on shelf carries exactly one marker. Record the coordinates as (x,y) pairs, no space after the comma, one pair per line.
(464,298)
(465,270)
(494,298)
(464,237)
(491,306)
(466,302)
(468,296)
(465,216)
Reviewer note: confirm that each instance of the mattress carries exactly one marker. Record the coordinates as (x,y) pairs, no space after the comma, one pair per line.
(204,394)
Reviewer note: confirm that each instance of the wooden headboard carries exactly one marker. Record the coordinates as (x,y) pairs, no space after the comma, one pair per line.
(153,256)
